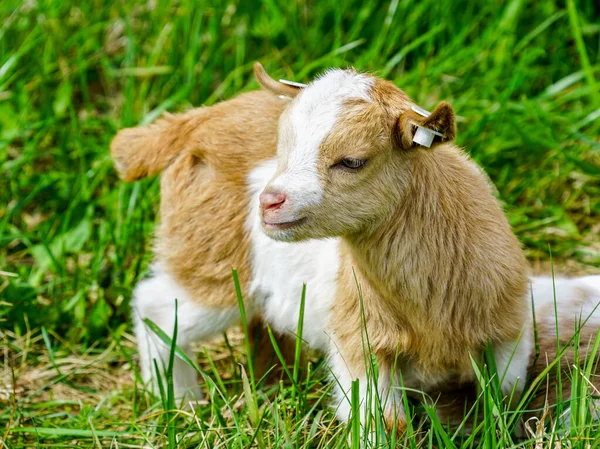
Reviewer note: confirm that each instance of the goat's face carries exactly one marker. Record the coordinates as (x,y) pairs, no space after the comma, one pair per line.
(337,168)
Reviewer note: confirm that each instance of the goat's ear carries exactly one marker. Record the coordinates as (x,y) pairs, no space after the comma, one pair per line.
(276,87)
(442,120)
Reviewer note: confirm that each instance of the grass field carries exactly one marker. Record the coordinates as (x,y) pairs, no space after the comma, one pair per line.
(523,77)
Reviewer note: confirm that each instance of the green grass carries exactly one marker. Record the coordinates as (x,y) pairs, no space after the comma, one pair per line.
(522,76)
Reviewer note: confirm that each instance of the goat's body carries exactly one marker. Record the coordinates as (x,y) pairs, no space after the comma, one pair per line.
(277,272)
(155,299)
(216,162)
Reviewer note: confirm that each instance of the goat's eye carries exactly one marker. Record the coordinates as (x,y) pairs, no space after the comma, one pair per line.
(351,163)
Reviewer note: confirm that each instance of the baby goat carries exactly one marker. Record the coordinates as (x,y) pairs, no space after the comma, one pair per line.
(428,264)
(414,251)
(438,270)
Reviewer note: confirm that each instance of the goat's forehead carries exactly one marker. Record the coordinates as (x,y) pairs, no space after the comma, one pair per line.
(316,110)
(328,92)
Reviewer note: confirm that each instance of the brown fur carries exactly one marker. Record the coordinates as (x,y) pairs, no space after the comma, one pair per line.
(206,155)
(441,274)
(147,150)
(266,364)
(456,279)
(439,270)
(441,120)
(453,400)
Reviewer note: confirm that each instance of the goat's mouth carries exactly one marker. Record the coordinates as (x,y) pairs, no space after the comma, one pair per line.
(281,225)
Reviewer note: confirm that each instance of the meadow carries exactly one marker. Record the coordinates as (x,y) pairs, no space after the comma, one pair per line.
(523,77)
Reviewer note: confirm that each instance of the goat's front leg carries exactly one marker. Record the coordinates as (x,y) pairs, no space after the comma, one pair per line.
(379,394)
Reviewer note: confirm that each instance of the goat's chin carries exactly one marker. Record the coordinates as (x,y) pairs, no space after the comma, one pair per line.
(288,232)
(297,234)
(282,235)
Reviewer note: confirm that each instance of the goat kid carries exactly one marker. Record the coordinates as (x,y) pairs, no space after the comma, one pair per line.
(428,264)
(440,272)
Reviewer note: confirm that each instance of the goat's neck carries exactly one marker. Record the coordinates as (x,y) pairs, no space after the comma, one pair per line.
(428,226)
(443,259)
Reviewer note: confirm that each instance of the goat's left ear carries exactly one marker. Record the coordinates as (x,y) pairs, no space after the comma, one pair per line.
(442,121)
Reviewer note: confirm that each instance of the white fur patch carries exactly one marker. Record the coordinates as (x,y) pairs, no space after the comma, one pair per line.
(385,394)
(280,269)
(342,379)
(512,361)
(311,118)
(576,298)
(154,298)
(591,285)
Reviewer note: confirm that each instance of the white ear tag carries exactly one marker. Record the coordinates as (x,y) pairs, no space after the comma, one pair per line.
(292,83)
(424,136)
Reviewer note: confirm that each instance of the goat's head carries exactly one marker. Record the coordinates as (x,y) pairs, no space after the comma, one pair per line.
(343,146)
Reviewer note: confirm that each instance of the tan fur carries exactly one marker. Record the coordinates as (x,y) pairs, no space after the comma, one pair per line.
(441,277)
(148,150)
(454,400)
(207,153)
(439,270)
(441,119)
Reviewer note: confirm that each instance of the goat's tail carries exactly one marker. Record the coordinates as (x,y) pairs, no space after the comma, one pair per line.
(147,150)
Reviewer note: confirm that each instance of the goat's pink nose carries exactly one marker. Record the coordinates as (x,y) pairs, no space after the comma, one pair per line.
(271,200)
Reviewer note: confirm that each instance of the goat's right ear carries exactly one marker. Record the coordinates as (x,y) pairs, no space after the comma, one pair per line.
(276,87)
(441,121)
(147,150)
